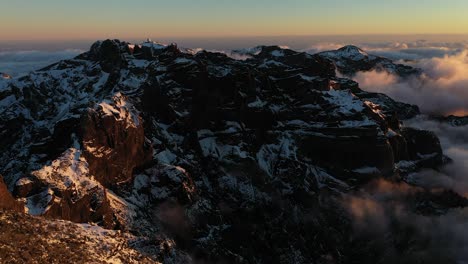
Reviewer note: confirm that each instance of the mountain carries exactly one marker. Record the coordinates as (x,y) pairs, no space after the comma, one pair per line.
(199,157)
(350,59)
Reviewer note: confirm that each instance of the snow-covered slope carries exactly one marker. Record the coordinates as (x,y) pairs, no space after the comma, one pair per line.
(27,239)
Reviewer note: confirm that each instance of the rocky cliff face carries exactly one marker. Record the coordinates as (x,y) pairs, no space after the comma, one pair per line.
(114,141)
(201,156)
(7,202)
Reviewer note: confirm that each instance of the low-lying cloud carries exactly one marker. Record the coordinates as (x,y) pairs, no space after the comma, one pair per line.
(404,51)
(441,89)
(17,63)
(384,215)
(386,225)
(383,212)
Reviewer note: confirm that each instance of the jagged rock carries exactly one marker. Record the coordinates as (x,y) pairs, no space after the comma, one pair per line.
(27,186)
(7,202)
(438,202)
(155,101)
(399,146)
(393,109)
(114,141)
(27,239)
(423,145)
(355,151)
(108,53)
(162,182)
(66,190)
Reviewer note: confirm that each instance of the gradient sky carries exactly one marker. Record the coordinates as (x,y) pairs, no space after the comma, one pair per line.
(98,19)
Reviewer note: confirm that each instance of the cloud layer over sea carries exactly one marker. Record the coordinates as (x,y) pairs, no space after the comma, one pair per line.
(17,63)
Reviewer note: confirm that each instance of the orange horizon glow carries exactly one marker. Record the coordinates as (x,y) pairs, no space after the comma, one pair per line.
(86,19)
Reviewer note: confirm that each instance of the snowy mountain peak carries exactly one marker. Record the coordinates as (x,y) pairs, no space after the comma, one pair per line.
(351,59)
(349,52)
(352,50)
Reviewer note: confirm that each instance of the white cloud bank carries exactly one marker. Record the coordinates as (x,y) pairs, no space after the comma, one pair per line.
(442,89)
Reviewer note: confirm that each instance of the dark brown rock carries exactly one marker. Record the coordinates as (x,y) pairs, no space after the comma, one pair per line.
(163,182)
(92,207)
(341,153)
(66,190)
(108,53)
(399,147)
(423,145)
(7,202)
(114,142)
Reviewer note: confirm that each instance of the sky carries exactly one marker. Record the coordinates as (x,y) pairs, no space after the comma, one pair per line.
(99,19)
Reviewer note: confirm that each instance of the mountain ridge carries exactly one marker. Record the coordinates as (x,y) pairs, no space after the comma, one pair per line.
(210,153)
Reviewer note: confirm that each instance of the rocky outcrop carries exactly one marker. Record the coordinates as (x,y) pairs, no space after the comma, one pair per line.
(7,202)
(423,145)
(351,152)
(66,190)
(28,239)
(114,141)
(108,53)
(162,182)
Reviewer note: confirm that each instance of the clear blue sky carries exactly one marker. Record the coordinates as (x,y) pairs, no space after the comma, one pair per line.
(90,19)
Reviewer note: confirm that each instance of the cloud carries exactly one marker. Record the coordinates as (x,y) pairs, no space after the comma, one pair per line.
(442,89)
(388,227)
(415,50)
(17,63)
(397,51)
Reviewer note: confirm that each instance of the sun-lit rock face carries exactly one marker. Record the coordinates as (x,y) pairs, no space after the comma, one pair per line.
(65,189)
(29,239)
(200,156)
(114,141)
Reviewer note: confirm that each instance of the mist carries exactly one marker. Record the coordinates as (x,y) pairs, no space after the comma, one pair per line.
(442,89)
(383,212)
